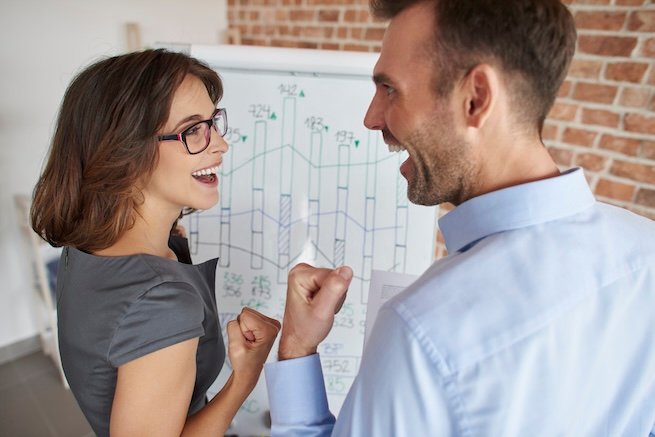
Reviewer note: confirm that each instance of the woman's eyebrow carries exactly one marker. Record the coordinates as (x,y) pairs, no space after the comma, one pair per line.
(195,117)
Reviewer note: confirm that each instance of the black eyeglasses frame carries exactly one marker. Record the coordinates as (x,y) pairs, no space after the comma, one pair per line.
(181,136)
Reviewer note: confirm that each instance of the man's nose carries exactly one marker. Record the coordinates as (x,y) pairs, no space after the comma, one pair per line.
(374,118)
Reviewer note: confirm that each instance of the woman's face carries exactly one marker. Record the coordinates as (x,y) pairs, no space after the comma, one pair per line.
(180,179)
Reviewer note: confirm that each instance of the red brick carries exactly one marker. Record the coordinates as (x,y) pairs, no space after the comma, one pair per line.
(592,92)
(578,137)
(648,48)
(563,111)
(585,69)
(626,146)
(600,117)
(607,45)
(329,15)
(549,132)
(301,15)
(588,2)
(561,157)
(565,89)
(591,161)
(374,34)
(648,150)
(355,48)
(646,197)
(281,15)
(634,171)
(311,31)
(642,21)
(615,190)
(249,41)
(329,46)
(635,97)
(356,16)
(626,71)
(639,123)
(601,20)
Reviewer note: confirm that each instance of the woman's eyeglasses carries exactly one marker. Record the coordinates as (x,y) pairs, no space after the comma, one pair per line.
(196,138)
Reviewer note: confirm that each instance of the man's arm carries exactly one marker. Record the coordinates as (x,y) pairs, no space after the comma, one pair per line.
(399,390)
(295,383)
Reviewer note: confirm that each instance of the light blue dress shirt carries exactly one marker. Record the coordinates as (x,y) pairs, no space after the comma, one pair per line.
(540,322)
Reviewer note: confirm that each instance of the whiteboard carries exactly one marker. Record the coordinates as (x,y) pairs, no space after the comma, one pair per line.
(304,181)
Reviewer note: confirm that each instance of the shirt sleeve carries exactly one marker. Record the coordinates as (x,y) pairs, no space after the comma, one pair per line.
(398,390)
(167,314)
(297,398)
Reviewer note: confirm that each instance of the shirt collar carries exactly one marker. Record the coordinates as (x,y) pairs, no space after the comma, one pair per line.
(516,207)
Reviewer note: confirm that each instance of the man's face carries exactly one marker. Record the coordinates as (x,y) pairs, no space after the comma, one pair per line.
(411,116)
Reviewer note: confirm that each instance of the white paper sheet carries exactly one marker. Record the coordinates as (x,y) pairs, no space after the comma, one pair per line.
(384,286)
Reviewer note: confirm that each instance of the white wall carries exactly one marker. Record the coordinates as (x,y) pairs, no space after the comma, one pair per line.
(43,43)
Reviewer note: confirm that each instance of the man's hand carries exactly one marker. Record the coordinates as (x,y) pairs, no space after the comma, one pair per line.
(313,297)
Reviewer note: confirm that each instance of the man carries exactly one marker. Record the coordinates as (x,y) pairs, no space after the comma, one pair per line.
(541,321)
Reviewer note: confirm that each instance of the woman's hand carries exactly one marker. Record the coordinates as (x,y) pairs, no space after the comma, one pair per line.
(250,339)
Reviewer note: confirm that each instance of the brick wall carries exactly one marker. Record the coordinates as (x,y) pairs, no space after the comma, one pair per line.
(603,120)
(315,24)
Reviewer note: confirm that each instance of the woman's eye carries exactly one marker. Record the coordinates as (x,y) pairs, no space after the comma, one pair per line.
(193,130)
(388,89)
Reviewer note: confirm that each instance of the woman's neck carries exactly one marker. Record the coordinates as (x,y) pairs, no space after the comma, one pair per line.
(148,235)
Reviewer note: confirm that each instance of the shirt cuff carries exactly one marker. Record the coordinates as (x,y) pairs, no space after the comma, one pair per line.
(296,391)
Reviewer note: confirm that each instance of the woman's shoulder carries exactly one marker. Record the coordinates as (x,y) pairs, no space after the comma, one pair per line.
(128,269)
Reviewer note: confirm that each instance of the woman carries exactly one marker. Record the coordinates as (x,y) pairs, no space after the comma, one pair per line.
(138,139)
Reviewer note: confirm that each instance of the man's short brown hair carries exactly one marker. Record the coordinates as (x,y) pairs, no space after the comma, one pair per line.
(532,41)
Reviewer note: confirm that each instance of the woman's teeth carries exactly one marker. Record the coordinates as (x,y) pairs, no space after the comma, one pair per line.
(206,171)
(396,148)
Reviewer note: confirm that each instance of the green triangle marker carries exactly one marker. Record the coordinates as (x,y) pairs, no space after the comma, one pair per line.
(273,116)
(326,128)
(302,93)
(244,138)
(356,143)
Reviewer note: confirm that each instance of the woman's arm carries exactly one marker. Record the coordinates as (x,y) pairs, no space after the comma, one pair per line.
(153,392)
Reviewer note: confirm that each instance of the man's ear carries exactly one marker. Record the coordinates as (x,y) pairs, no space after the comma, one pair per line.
(481,87)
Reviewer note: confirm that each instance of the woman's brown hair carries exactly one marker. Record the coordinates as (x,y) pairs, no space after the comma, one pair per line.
(105,145)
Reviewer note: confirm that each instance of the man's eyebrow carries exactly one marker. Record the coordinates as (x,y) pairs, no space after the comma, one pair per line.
(379,78)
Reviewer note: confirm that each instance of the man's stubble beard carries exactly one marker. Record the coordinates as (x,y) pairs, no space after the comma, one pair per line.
(443,162)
